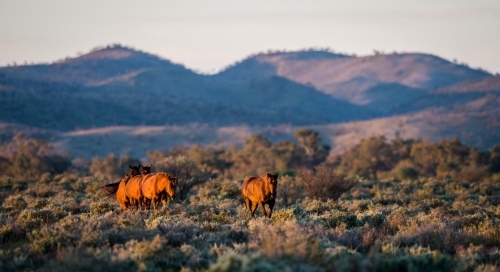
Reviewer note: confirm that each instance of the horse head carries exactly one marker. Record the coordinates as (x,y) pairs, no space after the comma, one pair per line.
(170,186)
(134,170)
(272,181)
(146,169)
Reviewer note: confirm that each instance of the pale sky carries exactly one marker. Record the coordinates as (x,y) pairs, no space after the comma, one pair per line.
(207,36)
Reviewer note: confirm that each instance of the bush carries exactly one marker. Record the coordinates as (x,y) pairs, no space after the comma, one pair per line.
(323,183)
(185,171)
(405,172)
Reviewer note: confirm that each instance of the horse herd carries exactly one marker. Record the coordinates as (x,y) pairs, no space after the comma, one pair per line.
(141,188)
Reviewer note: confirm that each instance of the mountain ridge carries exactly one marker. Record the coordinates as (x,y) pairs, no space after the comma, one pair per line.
(117,86)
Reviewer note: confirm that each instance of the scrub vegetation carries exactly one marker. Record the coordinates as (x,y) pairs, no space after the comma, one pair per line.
(403,205)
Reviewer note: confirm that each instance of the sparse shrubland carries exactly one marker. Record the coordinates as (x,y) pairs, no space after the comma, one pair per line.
(398,213)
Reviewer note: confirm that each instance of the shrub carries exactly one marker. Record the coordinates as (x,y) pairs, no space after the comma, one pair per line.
(323,183)
(405,172)
(100,207)
(186,172)
(15,202)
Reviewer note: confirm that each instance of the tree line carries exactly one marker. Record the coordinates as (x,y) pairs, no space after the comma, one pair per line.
(371,158)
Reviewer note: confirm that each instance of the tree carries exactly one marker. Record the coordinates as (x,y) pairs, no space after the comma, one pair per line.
(311,142)
(494,159)
(368,157)
(28,158)
(112,167)
(255,158)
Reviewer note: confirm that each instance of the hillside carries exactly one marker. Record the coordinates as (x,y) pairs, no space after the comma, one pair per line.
(119,86)
(94,68)
(102,101)
(380,82)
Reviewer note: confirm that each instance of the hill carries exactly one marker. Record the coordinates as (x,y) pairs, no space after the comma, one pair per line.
(113,92)
(380,82)
(95,68)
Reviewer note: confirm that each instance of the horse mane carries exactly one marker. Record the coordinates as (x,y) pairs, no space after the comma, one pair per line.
(252,178)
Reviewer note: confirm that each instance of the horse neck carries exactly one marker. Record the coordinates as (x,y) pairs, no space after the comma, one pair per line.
(161,182)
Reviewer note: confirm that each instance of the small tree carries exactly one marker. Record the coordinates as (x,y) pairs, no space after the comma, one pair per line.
(289,190)
(323,183)
(112,167)
(368,157)
(311,142)
(28,158)
(185,171)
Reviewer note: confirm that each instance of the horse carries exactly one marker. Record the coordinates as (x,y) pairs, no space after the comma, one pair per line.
(134,170)
(155,187)
(112,188)
(260,191)
(146,169)
(133,191)
(121,195)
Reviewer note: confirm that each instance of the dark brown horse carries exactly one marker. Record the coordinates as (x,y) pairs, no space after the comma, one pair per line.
(146,169)
(155,187)
(260,191)
(134,170)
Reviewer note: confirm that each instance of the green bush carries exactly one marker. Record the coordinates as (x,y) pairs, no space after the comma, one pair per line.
(405,172)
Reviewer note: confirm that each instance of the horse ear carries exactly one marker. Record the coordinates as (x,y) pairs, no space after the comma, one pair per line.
(140,166)
(151,165)
(130,166)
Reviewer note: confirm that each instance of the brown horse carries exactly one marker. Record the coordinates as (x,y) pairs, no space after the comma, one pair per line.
(121,195)
(155,187)
(112,187)
(133,191)
(145,171)
(260,191)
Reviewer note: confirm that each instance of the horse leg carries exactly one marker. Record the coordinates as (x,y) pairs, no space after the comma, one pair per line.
(156,202)
(253,207)
(164,201)
(263,208)
(271,206)
(247,204)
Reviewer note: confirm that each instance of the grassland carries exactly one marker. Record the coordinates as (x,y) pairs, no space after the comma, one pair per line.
(65,222)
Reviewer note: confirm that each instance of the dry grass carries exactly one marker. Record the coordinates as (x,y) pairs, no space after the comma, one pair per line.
(424,224)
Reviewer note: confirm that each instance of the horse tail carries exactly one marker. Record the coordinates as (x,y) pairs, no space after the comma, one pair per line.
(111,188)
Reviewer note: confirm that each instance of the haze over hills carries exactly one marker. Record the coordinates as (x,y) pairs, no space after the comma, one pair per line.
(77,102)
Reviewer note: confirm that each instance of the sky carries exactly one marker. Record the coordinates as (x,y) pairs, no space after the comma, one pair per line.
(207,36)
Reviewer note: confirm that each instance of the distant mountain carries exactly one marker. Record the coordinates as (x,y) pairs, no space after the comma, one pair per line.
(94,68)
(119,86)
(380,82)
(455,95)
(79,102)
(487,84)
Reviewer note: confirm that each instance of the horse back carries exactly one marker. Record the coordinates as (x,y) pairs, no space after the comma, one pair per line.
(254,188)
(133,187)
(149,185)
